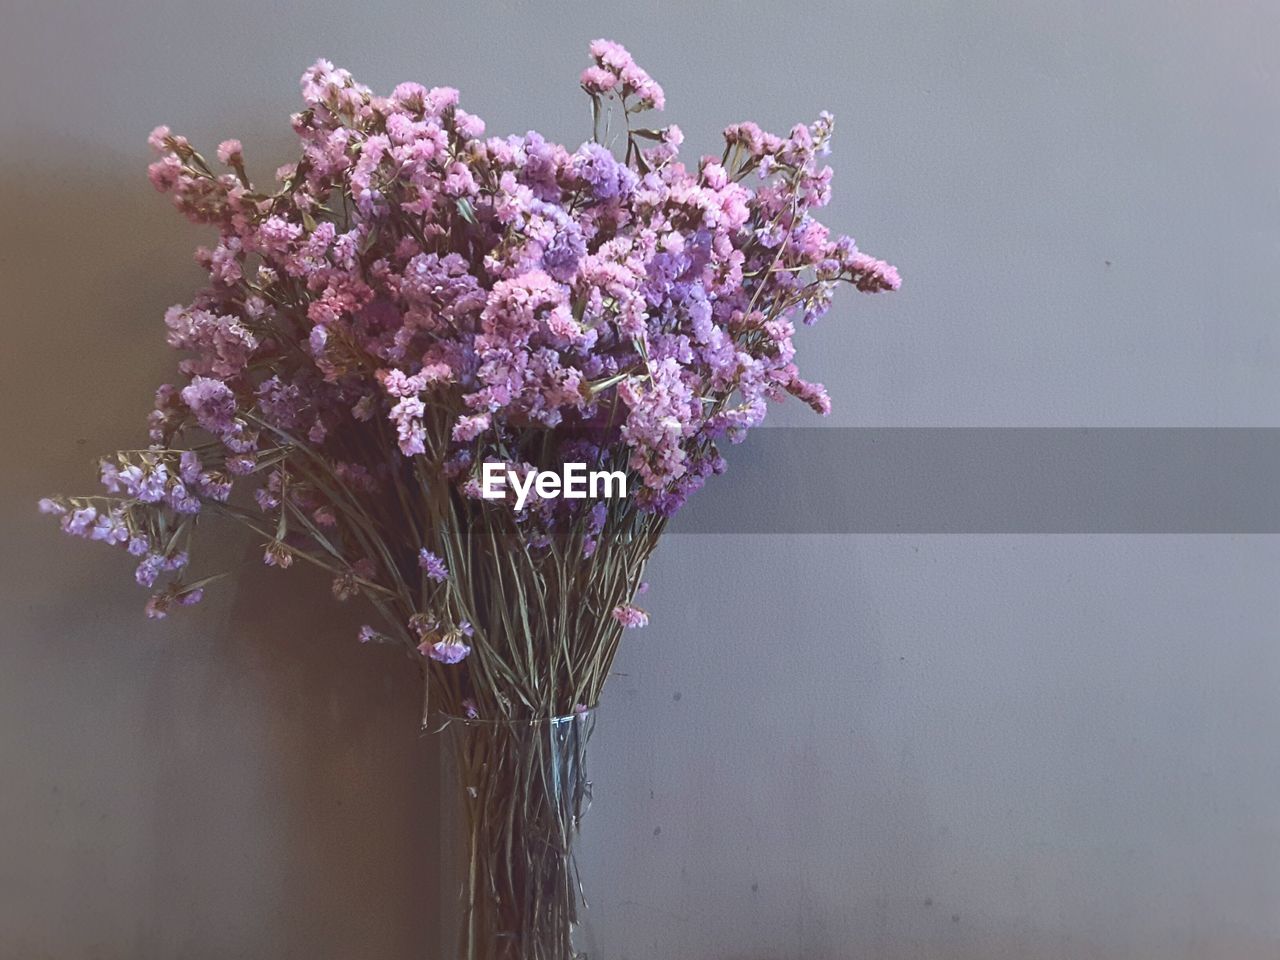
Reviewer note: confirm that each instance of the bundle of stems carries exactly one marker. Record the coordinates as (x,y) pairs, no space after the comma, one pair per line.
(541,629)
(525,792)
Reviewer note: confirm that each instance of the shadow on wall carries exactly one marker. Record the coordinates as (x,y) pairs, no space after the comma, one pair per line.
(346,799)
(243,780)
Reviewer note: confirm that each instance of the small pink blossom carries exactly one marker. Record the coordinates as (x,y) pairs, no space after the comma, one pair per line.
(598,79)
(630,616)
(231,153)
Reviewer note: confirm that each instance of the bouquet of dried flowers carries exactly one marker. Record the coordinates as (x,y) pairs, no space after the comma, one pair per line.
(411,300)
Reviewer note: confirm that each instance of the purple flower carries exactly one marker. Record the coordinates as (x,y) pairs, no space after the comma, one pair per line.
(212,403)
(445,651)
(600,170)
(189,467)
(241,466)
(433,565)
(79,522)
(110,528)
(222,344)
(151,487)
(109,473)
(149,569)
(214,486)
(176,560)
(561,257)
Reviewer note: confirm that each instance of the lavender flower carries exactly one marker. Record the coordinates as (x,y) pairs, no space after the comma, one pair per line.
(149,569)
(80,522)
(433,566)
(448,651)
(190,597)
(212,404)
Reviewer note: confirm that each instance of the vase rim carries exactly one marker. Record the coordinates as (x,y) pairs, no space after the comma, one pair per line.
(447,718)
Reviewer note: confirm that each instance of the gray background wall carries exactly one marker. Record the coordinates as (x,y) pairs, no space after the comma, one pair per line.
(958,747)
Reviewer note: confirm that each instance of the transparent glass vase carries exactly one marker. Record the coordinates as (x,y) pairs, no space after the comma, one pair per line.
(524,791)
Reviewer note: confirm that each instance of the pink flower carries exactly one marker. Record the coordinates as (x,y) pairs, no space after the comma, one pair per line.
(165,173)
(630,616)
(871,275)
(231,153)
(598,79)
(613,65)
(470,427)
(157,137)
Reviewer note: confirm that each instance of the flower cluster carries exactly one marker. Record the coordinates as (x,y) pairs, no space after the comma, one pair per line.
(413,298)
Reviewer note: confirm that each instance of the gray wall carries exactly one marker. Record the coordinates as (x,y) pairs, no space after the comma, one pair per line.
(960,747)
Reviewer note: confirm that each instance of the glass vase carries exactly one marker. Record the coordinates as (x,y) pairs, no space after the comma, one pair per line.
(524,793)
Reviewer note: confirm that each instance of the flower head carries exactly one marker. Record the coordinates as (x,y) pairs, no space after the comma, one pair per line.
(449,650)
(432,565)
(630,616)
(231,153)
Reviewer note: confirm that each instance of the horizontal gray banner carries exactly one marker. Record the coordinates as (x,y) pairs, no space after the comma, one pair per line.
(994,480)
